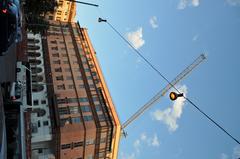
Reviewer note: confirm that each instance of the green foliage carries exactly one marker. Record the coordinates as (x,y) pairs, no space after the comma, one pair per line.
(36,24)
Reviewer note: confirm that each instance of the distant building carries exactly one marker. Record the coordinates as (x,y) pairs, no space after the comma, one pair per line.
(65,12)
(85,123)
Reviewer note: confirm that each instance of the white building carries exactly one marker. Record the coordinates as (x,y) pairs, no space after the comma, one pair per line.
(40,116)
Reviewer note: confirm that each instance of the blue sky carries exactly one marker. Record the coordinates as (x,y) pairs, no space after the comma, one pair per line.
(171,34)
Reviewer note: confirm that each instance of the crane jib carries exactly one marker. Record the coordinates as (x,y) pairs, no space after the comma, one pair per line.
(161,93)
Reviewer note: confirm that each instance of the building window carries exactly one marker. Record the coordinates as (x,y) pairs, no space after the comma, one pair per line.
(55,55)
(91,65)
(77,144)
(79,77)
(69,77)
(101,154)
(85,108)
(96,81)
(76,120)
(91,85)
(59,69)
(87,70)
(43,101)
(71,86)
(54,42)
(35,102)
(64,55)
(101,117)
(72,100)
(65,62)
(36,70)
(45,123)
(63,110)
(94,73)
(40,150)
(77,69)
(61,101)
(95,99)
(56,62)
(37,88)
(39,124)
(67,69)
(98,108)
(50,17)
(89,77)
(90,157)
(55,48)
(73,110)
(61,87)
(83,99)
(59,78)
(81,86)
(87,118)
(66,146)
(90,141)
(103,140)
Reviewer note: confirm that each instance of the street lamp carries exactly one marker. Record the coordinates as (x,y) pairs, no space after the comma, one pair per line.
(173,96)
(90,4)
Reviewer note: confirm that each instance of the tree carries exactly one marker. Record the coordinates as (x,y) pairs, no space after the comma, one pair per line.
(35,11)
(36,24)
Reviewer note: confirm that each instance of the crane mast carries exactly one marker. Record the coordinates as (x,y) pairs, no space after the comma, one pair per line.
(161,93)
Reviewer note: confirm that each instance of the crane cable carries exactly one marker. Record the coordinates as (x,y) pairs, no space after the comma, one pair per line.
(160,74)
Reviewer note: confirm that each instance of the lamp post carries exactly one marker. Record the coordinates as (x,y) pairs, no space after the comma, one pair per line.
(85,3)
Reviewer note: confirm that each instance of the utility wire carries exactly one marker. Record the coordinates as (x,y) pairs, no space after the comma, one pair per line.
(160,74)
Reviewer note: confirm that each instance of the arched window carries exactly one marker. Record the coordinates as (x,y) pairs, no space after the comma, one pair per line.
(37,78)
(34,62)
(33,47)
(34,54)
(40,112)
(36,70)
(32,41)
(37,87)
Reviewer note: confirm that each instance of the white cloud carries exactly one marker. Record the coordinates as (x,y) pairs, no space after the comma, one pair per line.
(153,22)
(236,152)
(170,115)
(128,156)
(195,37)
(140,143)
(233,2)
(136,145)
(143,136)
(224,156)
(195,3)
(136,38)
(150,141)
(184,3)
(155,141)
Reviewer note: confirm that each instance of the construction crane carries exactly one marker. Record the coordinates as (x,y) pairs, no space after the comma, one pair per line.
(161,93)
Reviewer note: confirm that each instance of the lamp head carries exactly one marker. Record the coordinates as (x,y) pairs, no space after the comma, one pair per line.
(101,20)
(173,96)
